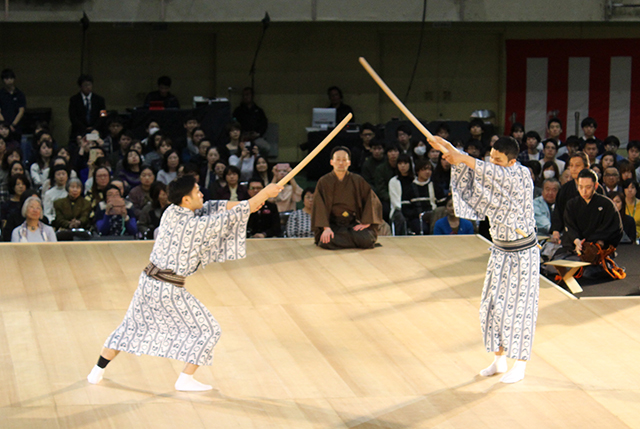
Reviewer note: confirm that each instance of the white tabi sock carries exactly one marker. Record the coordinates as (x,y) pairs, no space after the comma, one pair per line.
(499,365)
(516,373)
(95,376)
(186,383)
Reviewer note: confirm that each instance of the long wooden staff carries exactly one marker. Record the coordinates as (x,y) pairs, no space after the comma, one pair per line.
(315,151)
(410,115)
(400,105)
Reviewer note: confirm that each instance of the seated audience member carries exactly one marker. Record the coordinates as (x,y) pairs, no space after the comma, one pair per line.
(403,138)
(433,155)
(375,158)
(476,129)
(220,182)
(611,180)
(189,123)
(609,159)
(630,189)
(367,136)
(15,219)
(72,213)
(291,194)
(252,119)
(117,220)
(517,132)
(131,168)
(57,161)
(152,212)
(191,150)
(549,171)
(442,175)
(17,186)
(261,170)
(335,101)
(384,172)
(17,168)
(451,224)
(201,158)
(443,130)
(597,168)
(589,126)
(532,153)
(233,190)
(554,130)
(299,222)
(565,177)
(569,190)
(87,172)
(549,151)
(140,195)
(611,145)
(115,127)
(589,218)
(346,211)
(487,153)
(207,171)
(419,152)
(629,227)
(170,165)
(85,107)
(161,145)
(535,169)
(474,148)
(153,128)
(544,204)
(627,171)
(96,193)
(33,230)
(234,130)
(163,94)
(191,169)
(60,176)
(425,197)
(124,144)
(591,150)
(246,161)
(571,146)
(265,222)
(39,170)
(400,193)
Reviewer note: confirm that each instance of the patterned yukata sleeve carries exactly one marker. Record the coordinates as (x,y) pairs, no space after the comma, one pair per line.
(212,207)
(225,235)
(490,190)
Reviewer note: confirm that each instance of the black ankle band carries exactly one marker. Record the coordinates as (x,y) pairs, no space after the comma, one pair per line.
(102,362)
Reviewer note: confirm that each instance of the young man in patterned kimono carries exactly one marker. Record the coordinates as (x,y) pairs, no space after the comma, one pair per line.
(502,190)
(164,319)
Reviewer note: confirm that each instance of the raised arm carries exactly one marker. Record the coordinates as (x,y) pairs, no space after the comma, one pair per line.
(271,191)
(453,155)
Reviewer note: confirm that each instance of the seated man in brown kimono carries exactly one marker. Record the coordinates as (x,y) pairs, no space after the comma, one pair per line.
(346,211)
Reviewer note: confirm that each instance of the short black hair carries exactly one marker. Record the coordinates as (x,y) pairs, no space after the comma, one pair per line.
(612,140)
(572,141)
(181,187)
(421,164)
(7,74)
(508,146)
(633,144)
(405,129)
(516,126)
(588,173)
(154,193)
(375,142)
(533,135)
(552,120)
(191,168)
(625,184)
(14,179)
(475,143)
(554,141)
(255,179)
(404,158)
(85,78)
(190,118)
(588,121)
(231,169)
(164,80)
(111,186)
(368,126)
(582,156)
(339,148)
(476,122)
(534,166)
(307,190)
(391,146)
(334,88)
(443,126)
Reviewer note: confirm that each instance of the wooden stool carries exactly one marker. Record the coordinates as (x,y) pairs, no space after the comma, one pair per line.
(567,269)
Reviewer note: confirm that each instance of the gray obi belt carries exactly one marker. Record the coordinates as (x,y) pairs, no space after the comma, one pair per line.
(166,276)
(517,245)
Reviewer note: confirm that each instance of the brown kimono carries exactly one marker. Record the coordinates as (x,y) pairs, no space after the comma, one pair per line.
(342,204)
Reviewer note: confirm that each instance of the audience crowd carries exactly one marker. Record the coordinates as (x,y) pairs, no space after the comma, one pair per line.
(107,183)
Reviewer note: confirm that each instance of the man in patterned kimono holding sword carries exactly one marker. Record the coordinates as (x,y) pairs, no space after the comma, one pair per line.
(502,190)
(164,319)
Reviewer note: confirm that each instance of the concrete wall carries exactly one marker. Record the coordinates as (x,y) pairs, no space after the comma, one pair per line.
(298,62)
(315,10)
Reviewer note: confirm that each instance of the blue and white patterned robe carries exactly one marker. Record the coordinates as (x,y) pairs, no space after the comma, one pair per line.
(509,306)
(165,320)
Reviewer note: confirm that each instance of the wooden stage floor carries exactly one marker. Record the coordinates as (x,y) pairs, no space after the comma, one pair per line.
(387,338)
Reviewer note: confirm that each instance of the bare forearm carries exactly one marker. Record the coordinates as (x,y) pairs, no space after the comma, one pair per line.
(19,116)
